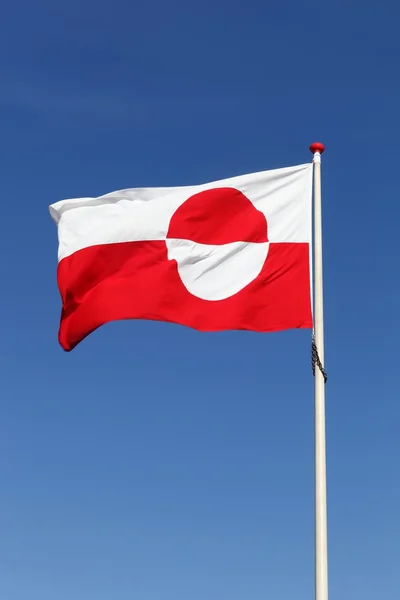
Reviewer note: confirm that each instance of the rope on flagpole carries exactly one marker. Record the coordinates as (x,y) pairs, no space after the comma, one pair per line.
(315,359)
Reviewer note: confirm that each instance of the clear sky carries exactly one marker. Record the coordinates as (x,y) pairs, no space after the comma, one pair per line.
(154,462)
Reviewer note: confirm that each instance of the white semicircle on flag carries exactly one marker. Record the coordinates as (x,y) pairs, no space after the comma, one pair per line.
(217,272)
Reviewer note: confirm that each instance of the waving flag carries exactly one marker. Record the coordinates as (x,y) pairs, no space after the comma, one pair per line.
(233,254)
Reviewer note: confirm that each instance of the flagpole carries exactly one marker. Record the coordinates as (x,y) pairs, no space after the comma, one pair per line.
(321,534)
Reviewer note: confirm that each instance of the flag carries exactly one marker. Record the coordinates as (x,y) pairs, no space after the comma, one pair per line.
(232,254)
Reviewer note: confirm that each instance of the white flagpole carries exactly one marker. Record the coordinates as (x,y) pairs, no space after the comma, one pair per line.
(321,535)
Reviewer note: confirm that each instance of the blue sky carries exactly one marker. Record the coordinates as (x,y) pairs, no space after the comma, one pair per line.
(154,462)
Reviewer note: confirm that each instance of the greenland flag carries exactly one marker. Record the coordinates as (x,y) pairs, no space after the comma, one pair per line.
(233,254)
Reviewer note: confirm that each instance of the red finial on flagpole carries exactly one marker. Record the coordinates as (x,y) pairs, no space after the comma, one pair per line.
(317,147)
